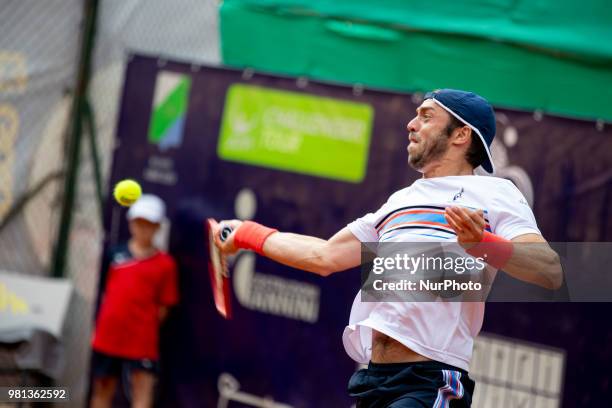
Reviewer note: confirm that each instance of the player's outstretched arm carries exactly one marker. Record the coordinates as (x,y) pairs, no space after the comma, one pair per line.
(316,255)
(537,264)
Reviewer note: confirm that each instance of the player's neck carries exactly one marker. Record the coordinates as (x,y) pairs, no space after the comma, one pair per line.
(141,249)
(448,168)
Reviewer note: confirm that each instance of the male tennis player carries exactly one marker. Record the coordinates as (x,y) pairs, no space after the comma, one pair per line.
(419,352)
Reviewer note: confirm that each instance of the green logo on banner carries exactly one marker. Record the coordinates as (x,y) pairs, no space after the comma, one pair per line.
(296,132)
(170,101)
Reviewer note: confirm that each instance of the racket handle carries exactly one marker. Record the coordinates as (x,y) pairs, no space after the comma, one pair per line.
(224,233)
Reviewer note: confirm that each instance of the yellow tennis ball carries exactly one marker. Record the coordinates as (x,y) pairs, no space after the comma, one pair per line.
(127,192)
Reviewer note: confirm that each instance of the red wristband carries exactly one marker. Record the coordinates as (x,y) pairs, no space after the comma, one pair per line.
(495,250)
(251,235)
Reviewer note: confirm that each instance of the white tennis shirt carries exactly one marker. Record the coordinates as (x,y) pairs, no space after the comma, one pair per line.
(441,331)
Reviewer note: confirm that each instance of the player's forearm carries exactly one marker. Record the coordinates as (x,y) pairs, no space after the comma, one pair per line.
(527,257)
(535,263)
(299,251)
(323,257)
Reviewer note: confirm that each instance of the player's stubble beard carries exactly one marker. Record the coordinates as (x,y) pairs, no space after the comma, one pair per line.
(429,150)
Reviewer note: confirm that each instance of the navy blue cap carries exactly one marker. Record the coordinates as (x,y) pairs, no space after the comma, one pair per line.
(474,111)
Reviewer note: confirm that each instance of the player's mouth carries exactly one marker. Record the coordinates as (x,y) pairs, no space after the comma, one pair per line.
(412,145)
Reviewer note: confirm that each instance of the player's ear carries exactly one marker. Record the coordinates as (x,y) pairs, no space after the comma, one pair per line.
(461,135)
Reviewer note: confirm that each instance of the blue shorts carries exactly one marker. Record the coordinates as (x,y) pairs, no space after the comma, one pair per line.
(427,384)
(104,365)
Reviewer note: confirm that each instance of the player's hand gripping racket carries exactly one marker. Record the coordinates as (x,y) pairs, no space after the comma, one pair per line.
(218,269)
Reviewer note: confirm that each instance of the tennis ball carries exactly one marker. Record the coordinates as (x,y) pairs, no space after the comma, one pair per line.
(126,192)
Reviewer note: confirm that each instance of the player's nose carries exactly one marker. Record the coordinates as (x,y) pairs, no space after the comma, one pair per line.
(412,125)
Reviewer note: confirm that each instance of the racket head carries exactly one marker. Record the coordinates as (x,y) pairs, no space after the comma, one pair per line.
(218,273)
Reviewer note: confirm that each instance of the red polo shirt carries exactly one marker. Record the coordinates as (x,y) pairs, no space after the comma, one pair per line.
(128,321)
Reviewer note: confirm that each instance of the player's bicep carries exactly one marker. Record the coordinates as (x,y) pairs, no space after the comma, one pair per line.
(343,251)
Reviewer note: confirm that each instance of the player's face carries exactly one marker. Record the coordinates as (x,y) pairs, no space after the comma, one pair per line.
(143,230)
(427,135)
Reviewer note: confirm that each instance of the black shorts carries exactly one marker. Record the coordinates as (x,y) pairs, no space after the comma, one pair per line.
(104,365)
(427,384)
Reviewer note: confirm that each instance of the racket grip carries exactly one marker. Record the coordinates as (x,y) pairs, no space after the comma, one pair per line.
(224,233)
